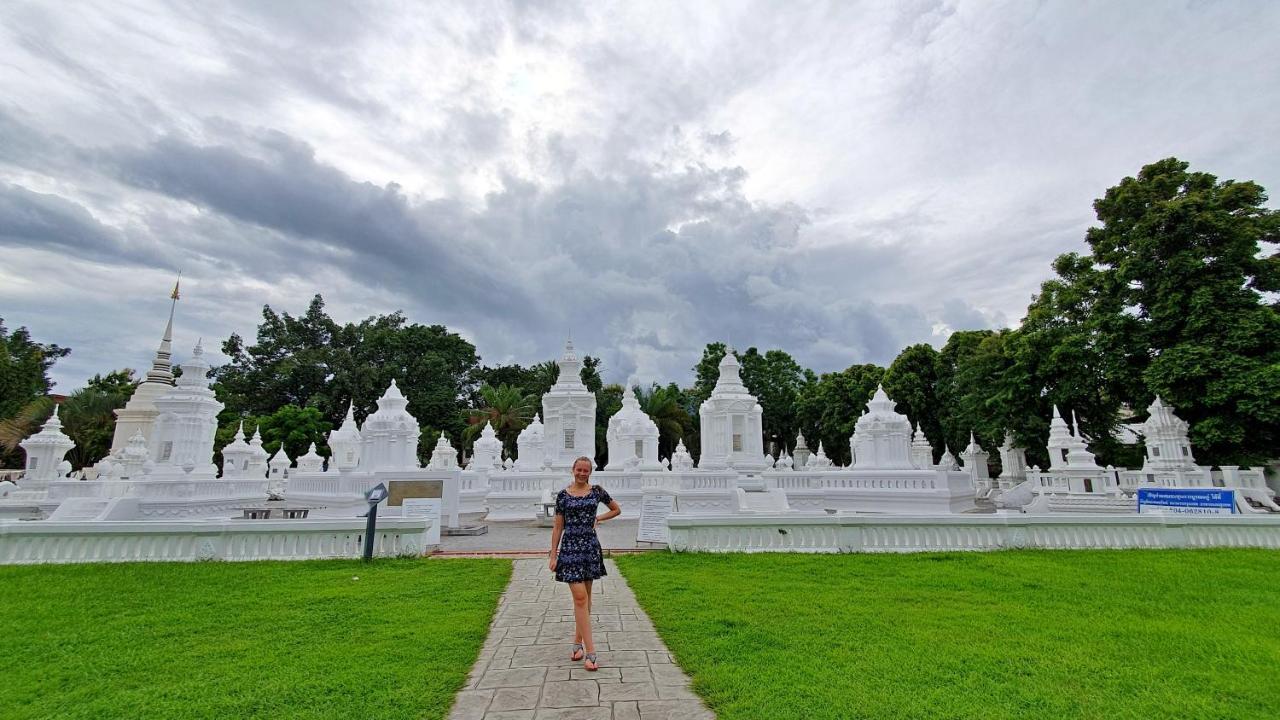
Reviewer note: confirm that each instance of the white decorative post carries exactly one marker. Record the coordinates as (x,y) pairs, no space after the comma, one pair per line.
(882,437)
(345,444)
(390,435)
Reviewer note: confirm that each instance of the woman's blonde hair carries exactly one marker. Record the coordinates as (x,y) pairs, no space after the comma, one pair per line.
(584,458)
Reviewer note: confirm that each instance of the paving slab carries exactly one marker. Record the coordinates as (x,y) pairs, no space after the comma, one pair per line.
(524,671)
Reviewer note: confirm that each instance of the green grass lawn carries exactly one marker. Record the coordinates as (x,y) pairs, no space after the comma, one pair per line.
(1058,634)
(243,640)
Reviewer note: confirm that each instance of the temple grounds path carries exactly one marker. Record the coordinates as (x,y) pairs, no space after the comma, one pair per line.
(524,671)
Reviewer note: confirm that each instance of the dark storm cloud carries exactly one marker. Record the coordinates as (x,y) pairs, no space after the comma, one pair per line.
(375,230)
(50,222)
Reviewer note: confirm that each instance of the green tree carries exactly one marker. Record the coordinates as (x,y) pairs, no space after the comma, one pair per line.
(507,409)
(313,361)
(774,377)
(24,378)
(665,405)
(295,428)
(608,403)
(912,381)
(1171,300)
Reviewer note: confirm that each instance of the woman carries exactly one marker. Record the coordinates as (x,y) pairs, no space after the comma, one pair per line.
(578,560)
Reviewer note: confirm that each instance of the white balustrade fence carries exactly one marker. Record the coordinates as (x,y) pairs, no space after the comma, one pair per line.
(866,533)
(23,543)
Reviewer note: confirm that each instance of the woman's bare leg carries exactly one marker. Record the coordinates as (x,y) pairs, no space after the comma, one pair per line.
(582,614)
(589,596)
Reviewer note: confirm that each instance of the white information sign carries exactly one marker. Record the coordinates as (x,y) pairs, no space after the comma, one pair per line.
(654,509)
(429,508)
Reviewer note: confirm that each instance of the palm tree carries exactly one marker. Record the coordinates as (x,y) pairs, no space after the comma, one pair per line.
(19,427)
(88,418)
(663,405)
(506,408)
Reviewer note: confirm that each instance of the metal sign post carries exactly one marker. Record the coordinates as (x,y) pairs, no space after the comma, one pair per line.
(373,497)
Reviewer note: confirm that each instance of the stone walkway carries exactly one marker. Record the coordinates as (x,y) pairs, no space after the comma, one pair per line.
(524,671)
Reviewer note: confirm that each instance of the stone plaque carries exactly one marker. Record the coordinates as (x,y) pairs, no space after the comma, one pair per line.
(401,489)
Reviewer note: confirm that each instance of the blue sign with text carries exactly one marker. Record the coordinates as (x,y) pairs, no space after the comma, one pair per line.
(1187,501)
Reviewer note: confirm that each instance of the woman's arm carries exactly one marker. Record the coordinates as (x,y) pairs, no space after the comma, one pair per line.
(556,529)
(614,511)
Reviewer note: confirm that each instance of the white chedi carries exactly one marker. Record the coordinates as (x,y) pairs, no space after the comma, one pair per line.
(921,450)
(568,416)
(236,456)
(801,453)
(947,461)
(731,420)
(135,461)
(681,460)
(140,412)
(529,447)
(345,444)
(443,456)
(257,467)
(632,433)
(486,453)
(881,437)
(1167,446)
(1013,463)
(975,460)
(390,435)
(311,461)
(181,441)
(45,452)
(819,460)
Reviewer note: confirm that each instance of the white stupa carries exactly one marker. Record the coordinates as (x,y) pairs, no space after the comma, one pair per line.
(311,461)
(1165,435)
(975,460)
(1013,464)
(181,440)
(443,456)
(236,456)
(486,453)
(257,467)
(881,437)
(568,415)
(390,435)
(802,452)
(530,449)
(632,433)
(45,452)
(139,414)
(731,423)
(921,450)
(681,460)
(345,444)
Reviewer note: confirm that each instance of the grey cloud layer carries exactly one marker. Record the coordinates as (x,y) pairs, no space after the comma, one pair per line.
(836,180)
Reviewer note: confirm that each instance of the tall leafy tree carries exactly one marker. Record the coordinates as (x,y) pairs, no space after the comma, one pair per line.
(912,381)
(508,409)
(828,408)
(24,377)
(1172,299)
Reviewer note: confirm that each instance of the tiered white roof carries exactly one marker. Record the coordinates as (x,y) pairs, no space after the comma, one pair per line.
(881,437)
(569,414)
(487,451)
(632,433)
(45,452)
(183,434)
(732,435)
(530,448)
(1165,435)
(345,444)
(390,435)
(443,456)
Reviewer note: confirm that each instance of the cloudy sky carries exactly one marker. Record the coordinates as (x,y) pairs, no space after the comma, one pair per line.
(835,179)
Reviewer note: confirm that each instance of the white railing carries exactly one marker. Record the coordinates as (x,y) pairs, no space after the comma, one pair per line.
(23,543)
(865,533)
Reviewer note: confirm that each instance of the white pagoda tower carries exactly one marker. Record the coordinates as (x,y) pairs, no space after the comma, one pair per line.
(236,456)
(1168,449)
(921,450)
(530,447)
(345,445)
(45,452)
(569,415)
(732,436)
(1013,464)
(389,435)
(632,433)
(181,441)
(139,414)
(486,453)
(882,437)
(975,463)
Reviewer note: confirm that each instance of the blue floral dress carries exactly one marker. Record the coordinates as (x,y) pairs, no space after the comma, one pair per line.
(580,557)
